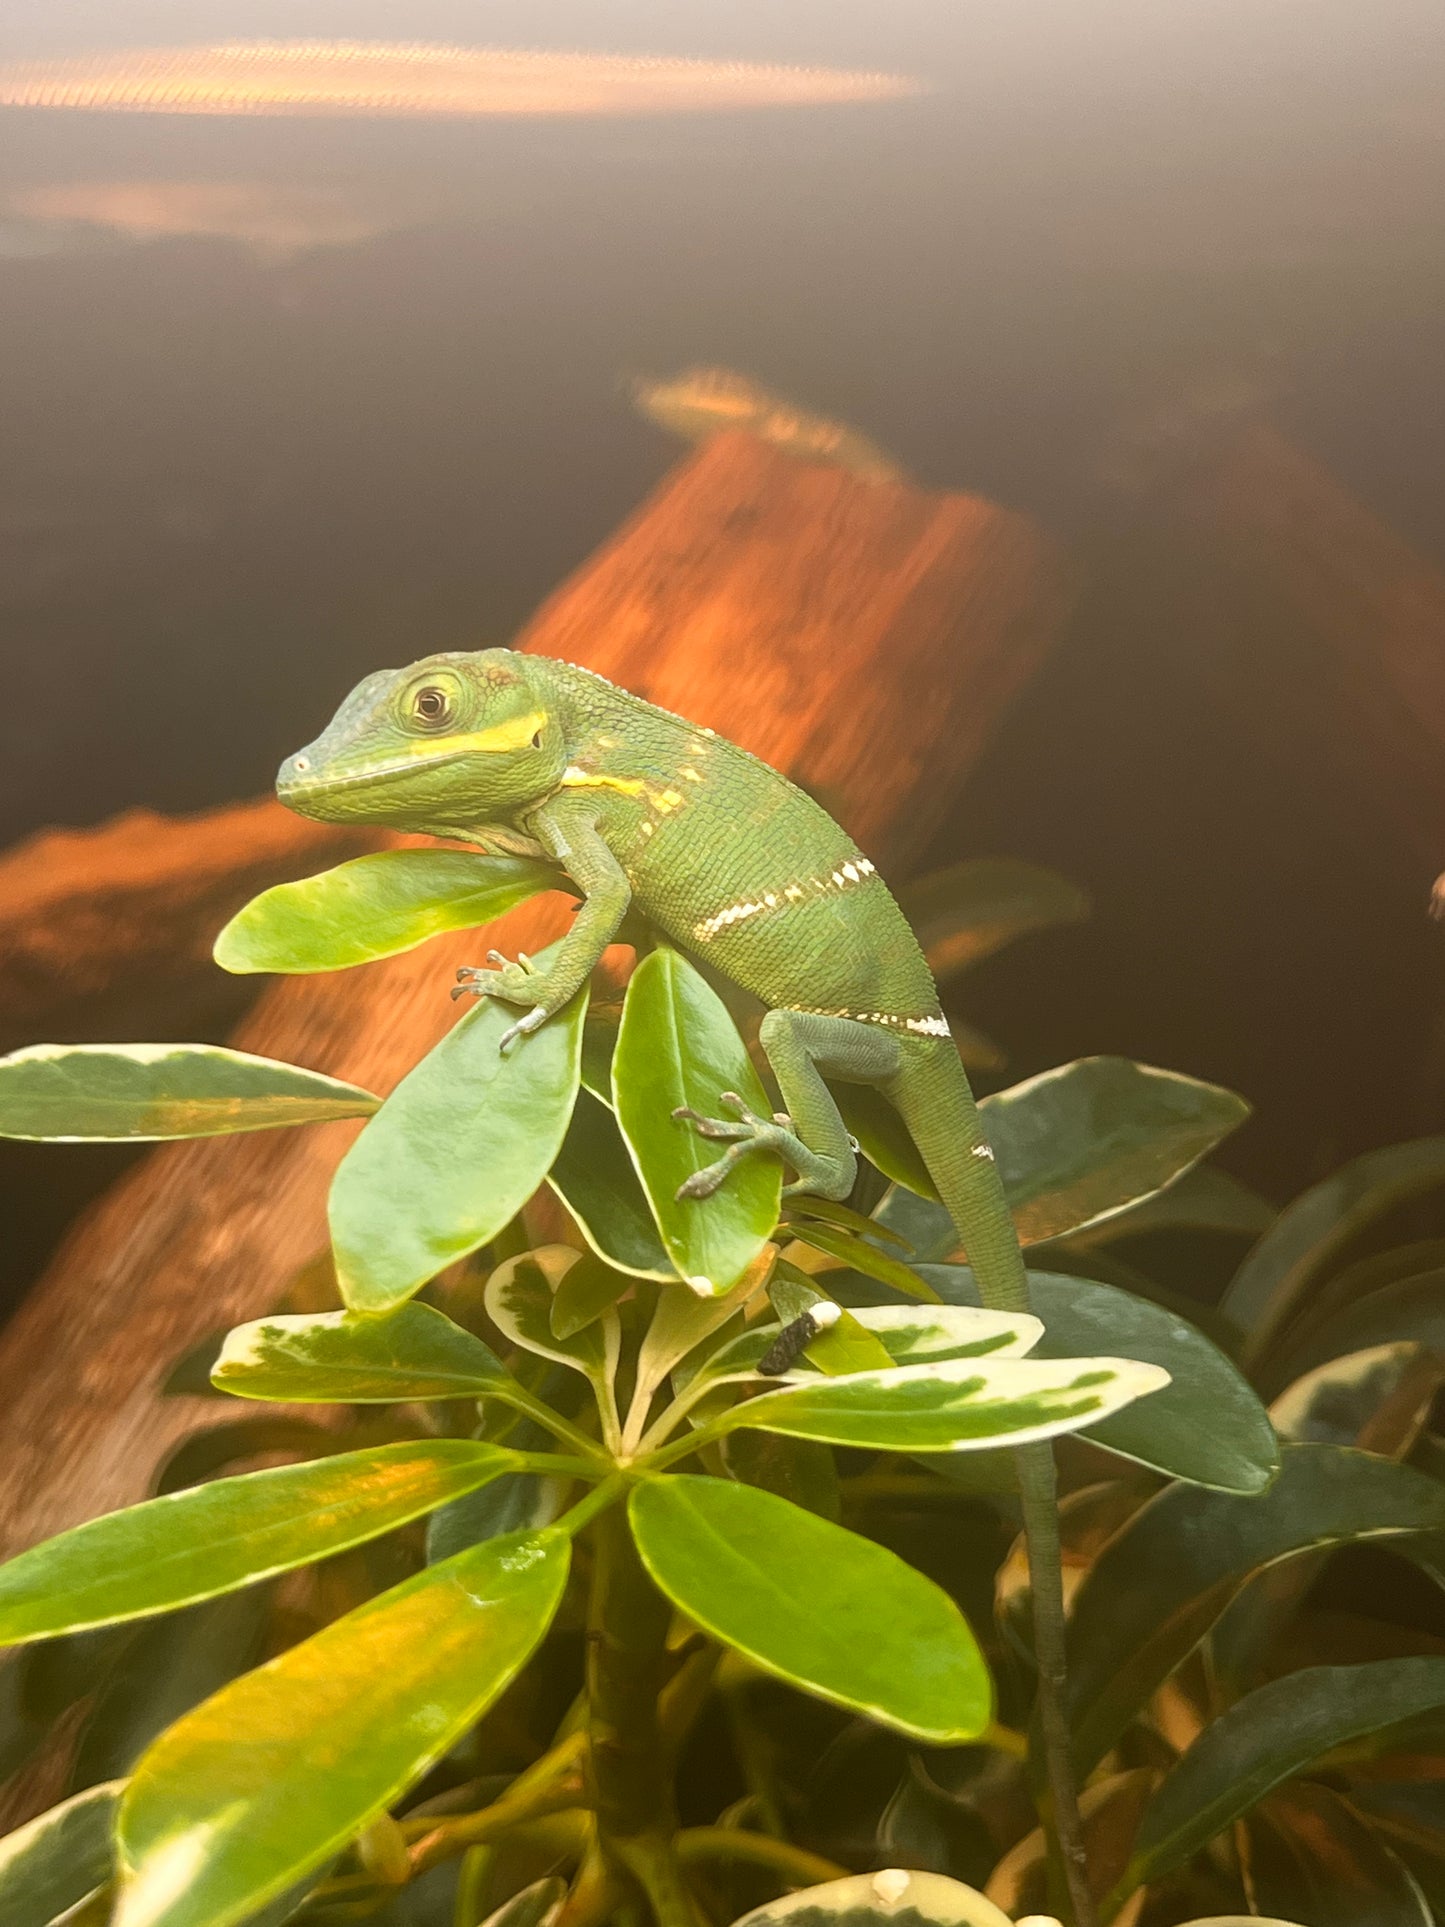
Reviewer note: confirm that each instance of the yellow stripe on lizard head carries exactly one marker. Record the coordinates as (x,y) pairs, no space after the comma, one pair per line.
(516,733)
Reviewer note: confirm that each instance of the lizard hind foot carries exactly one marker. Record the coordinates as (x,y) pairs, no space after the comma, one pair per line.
(749,1133)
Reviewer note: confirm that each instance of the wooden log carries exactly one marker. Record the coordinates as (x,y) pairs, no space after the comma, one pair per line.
(106,933)
(866,638)
(1318,630)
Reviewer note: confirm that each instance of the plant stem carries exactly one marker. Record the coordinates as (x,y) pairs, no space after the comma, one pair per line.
(794,1866)
(552,1785)
(1038,1492)
(629,1768)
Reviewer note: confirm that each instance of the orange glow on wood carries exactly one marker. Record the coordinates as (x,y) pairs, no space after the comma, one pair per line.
(410,79)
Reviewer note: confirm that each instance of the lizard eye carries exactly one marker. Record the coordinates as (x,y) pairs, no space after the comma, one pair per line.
(432,707)
(537,740)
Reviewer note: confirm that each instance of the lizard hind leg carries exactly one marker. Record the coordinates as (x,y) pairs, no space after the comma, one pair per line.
(809,1134)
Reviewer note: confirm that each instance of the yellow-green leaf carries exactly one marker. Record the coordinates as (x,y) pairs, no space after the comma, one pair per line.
(454,1153)
(820,1607)
(356,1358)
(678,1047)
(281,1768)
(375,906)
(208,1539)
(75,1093)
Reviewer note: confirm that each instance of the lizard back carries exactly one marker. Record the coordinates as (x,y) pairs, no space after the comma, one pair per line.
(741,867)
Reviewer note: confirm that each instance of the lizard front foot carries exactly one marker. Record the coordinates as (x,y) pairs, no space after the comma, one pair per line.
(511,983)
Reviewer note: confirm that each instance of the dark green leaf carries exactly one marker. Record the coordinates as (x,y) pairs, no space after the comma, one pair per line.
(517,1502)
(1413,1308)
(1378,1398)
(194,1544)
(1313,1858)
(1206,1425)
(1081,1144)
(1164,1579)
(1203,1199)
(943,1407)
(56,1860)
(795,1469)
(968,911)
(375,906)
(584,1292)
(679,1047)
(894,1898)
(1283,1270)
(594,1177)
(454,1153)
(172,1665)
(830,1612)
(883,1139)
(78,1093)
(356,1358)
(280,1769)
(1267,1738)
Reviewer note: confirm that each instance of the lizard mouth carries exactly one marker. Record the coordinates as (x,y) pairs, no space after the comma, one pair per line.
(297,786)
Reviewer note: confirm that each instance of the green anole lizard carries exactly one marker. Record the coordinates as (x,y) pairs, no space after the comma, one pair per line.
(736,864)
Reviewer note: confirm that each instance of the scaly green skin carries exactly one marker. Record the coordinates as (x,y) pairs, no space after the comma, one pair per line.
(717,850)
(734,863)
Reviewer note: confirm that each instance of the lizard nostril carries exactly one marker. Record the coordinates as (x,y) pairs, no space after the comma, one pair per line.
(302,763)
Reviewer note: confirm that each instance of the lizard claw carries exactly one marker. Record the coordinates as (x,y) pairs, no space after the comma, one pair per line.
(533,1020)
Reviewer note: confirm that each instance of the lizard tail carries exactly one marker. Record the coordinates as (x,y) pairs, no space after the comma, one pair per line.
(932,1093)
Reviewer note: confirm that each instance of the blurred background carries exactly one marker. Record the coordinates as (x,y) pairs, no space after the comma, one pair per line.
(283,400)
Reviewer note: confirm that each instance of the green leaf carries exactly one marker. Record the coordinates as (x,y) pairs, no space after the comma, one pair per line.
(375,906)
(59,1858)
(594,1177)
(1081,1144)
(1165,1577)
(1203,1199)
(819,1607)
(1313,1857)
(1378,1398)
(1089,1140)
(356,1358)
(454,1153)
(1267,1738)
(584,1292)
(795,1469)
(210,1538)
(519,1303)
(280,1769)
(883,1139)
(894,1898)
(963,1402)
(517,1502)
(1411,1308)
(902,1334)
(79,1093)
(846,1347)
(972,909)
(172,1664)
(678,1046)
(858,1255)
(1282,1273)
(1206,1425)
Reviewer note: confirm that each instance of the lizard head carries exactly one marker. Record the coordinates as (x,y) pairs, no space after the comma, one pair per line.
(453,740)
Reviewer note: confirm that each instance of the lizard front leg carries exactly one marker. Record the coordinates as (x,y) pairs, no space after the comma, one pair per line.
(809,1135)
(568,834)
